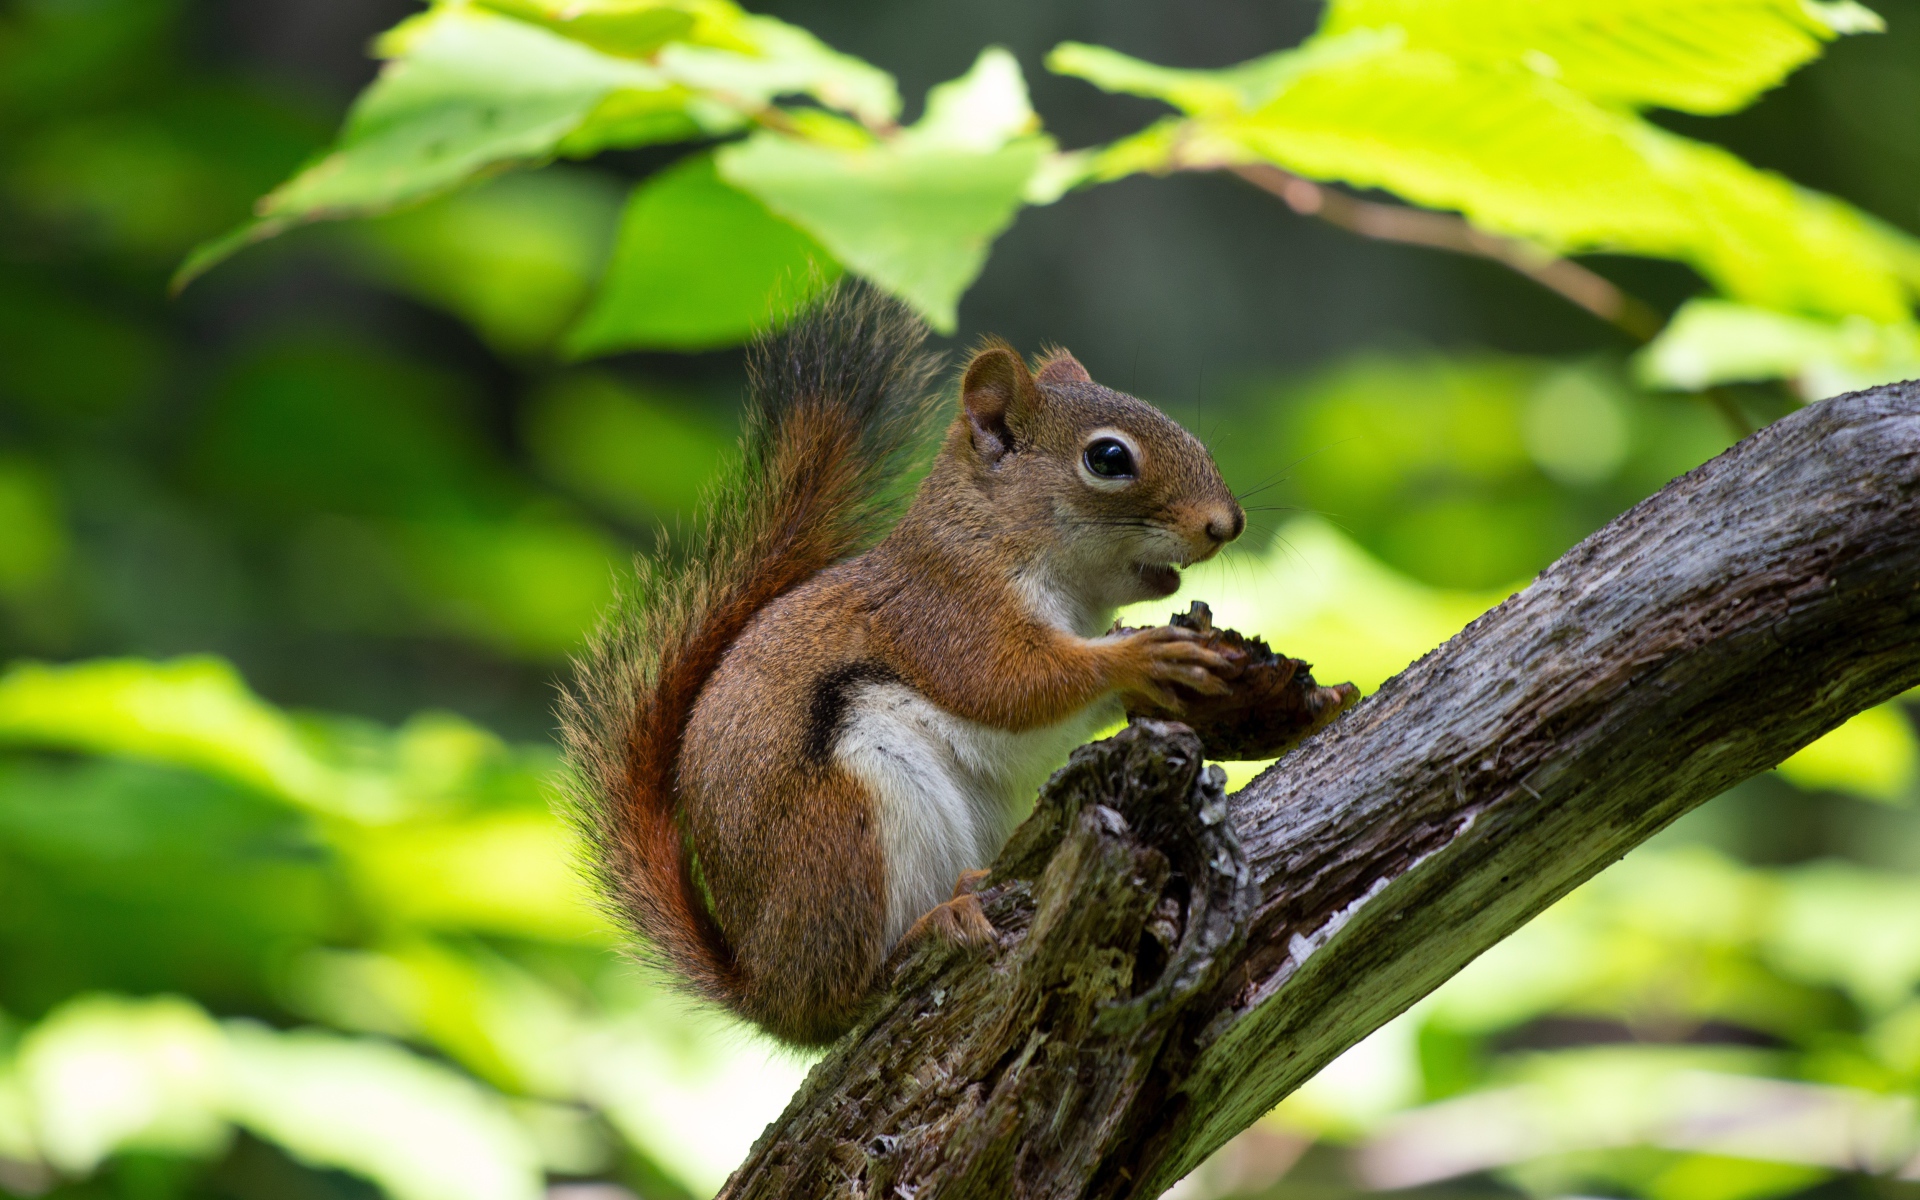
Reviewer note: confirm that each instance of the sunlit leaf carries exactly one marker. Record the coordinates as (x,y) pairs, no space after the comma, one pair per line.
(192,712)
(698,264)
(1702,56)
(916,214)
(416,1128)
(633,28)
(771,58)
(731,59)
(474,91)
(1225,92)
(197,713)
(632,117)
(1520,152)
(982,110)
(1714,341)
(104,1074)
(471,91)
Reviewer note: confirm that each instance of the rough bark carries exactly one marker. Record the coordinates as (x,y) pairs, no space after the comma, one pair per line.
(1172,962)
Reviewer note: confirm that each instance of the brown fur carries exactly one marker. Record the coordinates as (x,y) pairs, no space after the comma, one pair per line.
(836,401)
(704,724)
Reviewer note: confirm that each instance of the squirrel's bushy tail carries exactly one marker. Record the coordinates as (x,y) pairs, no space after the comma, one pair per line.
(837,401)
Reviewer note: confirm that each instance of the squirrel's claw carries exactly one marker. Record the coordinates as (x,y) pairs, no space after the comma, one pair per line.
(1181,656)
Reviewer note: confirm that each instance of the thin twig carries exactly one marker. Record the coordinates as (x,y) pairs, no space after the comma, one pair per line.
(1443,231)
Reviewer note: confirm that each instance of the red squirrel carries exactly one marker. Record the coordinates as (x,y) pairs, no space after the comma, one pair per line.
(796,752)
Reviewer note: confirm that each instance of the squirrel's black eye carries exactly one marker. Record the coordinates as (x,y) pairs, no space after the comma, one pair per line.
(1109,458)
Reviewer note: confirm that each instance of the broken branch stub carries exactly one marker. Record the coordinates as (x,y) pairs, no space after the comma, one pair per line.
(1117,904)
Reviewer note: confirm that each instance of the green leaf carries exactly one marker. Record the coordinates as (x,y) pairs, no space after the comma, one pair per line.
(698,264)
(631,28)
(1523,155)
(198,714)
(192,712)
(1710,342)
(916,222)
(481,87)
(629,118)
(770,58)
(717,47)
(915,214)
(167,1086)
(1700,56)
(473,92)
(982,110)
(418,1129)
(104,1074)
(1224,92)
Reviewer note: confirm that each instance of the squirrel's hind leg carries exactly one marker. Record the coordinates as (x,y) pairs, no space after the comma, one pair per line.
(812,950)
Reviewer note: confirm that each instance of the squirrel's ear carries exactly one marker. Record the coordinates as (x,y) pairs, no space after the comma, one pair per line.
(997,387)
(1060,367)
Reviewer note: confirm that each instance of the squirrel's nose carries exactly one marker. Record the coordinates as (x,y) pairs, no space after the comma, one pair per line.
(1224,526)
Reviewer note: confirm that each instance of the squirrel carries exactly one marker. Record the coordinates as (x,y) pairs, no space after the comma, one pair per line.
(795,753)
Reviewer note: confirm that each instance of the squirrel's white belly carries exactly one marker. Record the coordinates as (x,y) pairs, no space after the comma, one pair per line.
(949,790)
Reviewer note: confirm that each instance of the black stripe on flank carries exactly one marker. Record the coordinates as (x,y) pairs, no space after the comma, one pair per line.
(827,707)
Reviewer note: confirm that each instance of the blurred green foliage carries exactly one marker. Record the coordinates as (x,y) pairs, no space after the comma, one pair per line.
(1464,472)
(411,883)
(332,944)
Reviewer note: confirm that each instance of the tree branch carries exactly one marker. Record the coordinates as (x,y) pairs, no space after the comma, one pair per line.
(1172,963)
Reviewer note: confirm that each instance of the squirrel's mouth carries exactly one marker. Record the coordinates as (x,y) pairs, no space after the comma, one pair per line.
(1161,579)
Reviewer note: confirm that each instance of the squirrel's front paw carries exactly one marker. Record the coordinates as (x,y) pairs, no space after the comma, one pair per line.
(1273,704)
(1168,654)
